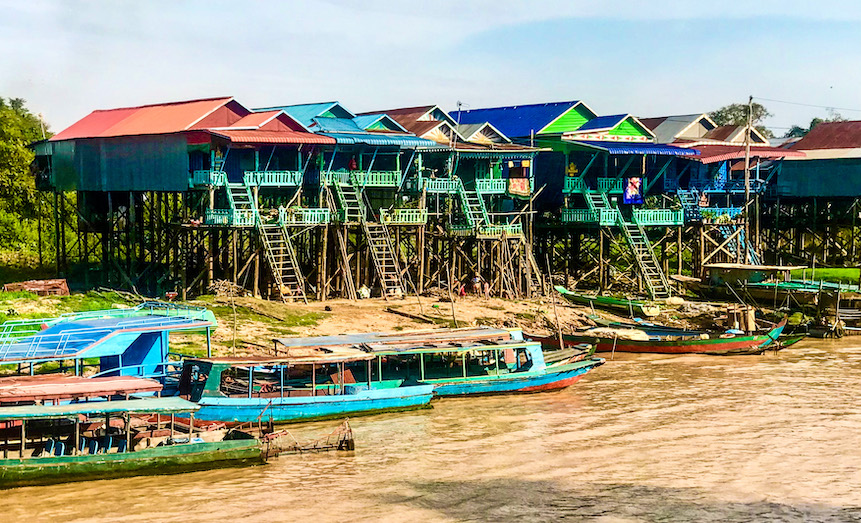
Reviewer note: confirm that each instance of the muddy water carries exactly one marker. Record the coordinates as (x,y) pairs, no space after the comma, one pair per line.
(643,438)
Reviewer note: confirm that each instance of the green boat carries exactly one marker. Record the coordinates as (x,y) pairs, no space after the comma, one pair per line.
(609,302)
(46,444)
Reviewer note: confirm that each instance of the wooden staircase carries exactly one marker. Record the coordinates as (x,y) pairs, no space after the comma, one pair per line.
(727,231)
(689,199)
(349,203)
(385,261)
(656,280)
(282,261)
(473,207)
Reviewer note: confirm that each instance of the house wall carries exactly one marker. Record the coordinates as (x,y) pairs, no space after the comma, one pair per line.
(836,178)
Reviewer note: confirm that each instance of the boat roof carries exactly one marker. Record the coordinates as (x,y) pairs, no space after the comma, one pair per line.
(749,267)
(295,356)
(90,335)
(169,405)
(411,337)
(455,347)
(66,387)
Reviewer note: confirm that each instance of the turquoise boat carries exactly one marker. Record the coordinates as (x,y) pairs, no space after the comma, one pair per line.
(318,385)
(46,444)
(463,369)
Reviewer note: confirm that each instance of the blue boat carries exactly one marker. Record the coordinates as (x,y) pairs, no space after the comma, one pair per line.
(471,368)
(315,386)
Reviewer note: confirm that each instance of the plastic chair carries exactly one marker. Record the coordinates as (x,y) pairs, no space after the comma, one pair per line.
(49,447)
(121,446)
(59,448)
(92,446)
(83,444)
(106,444)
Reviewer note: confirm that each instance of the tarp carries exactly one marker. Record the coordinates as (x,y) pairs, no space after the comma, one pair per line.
(145,405)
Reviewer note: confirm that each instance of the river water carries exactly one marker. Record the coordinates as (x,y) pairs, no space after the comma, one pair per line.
(643,438)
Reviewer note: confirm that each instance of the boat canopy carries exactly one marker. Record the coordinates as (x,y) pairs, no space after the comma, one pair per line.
(383,349)
(170,405)
(302,356)
(427,335)
(66,387)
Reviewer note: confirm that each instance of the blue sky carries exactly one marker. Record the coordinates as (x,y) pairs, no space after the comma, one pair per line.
(645,58)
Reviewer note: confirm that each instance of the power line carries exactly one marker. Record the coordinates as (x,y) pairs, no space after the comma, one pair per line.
(807,105)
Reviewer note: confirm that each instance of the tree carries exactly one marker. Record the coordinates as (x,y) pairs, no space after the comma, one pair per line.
(18,129)
(736,114)
(796,131)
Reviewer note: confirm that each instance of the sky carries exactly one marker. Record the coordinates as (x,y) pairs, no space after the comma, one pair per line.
(648,58)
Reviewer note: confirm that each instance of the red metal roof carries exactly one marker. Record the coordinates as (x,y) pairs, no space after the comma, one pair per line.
(719,153)
(255,120)
(250,136)
(147,119)
(831,135)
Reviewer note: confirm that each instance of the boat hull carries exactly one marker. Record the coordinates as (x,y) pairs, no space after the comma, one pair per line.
(312,408)
(554,377)
(172,459)
(608,302)
(755,344)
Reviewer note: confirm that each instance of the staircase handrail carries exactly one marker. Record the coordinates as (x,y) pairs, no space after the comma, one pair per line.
(648,245)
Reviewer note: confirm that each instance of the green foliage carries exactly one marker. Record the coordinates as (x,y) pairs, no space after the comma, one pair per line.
(736,114)
(796,131)
(829,274)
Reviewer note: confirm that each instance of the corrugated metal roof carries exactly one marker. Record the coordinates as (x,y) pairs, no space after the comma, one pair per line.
(168,405)
(146,119)
(255,120)
(287,137)
(719,153)
(832,135)
(397,140)
(305,113)
(637,148)
(364,121)
(335,125)
(516,120)
(603,123)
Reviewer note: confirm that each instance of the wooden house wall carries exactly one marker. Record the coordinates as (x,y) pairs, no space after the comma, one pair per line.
(836,178)
(628,128)
(570,121)
(141,163)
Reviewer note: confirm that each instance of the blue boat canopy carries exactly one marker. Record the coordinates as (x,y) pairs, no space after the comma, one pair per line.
(635,148)
(168,405)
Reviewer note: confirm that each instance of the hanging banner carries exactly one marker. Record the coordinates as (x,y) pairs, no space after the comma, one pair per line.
(633,191)
(518,187)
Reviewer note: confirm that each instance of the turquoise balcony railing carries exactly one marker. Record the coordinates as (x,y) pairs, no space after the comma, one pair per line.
(461,230)
(303,215)
(608,217)
(339,176)
(440,185)
(207,177)
(404,216)
(715,212)
(574,185)
(377,178)
(490,185)
(613,185)
(659,216)
(497,230)
(273,178)
(234,218)
(579,216)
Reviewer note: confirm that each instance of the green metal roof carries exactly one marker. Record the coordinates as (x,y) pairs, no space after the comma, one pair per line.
(144,405)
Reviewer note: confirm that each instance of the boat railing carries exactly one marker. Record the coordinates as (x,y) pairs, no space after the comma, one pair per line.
(139,370)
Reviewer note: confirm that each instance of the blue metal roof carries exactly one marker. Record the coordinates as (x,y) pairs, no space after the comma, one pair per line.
(305,113)
(335,125)
(381,139)
(366,120)
(637,148)
(516,120)
(603,122)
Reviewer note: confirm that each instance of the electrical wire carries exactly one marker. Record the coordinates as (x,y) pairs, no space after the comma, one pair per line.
(807,105)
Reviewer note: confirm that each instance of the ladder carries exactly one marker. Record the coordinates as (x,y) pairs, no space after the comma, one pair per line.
(277,247)
(656,280)
(349,203)
(536,282)
(385,261)
(342,249)
(727,231)
(689,199)
(282,261)
(473,206)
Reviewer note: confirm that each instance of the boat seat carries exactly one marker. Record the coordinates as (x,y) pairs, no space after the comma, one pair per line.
(49,447)
(107,442)
(121,446)
(59,448)
(92,446)
(348,377)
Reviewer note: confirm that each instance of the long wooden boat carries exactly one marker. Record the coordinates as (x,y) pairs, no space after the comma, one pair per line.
(721,345)
(320,384)
(47,444)
(461,369)
(609,302)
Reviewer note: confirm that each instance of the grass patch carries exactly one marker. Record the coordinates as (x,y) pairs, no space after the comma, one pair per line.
(485,320)
(833,275)
(525,316)
(495,308)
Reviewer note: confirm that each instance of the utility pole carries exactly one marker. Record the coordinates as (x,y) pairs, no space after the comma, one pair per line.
(746,248)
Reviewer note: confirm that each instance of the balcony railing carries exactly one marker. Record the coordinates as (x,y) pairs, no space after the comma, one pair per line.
(234,218)
(612,185)
(574,185)
(659,216)
(377,178)
(207,177)
(440,185)
(579,216)
(490,185)
(497,230)
(404,216)
(303,215)
(711,213)
(273,178)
